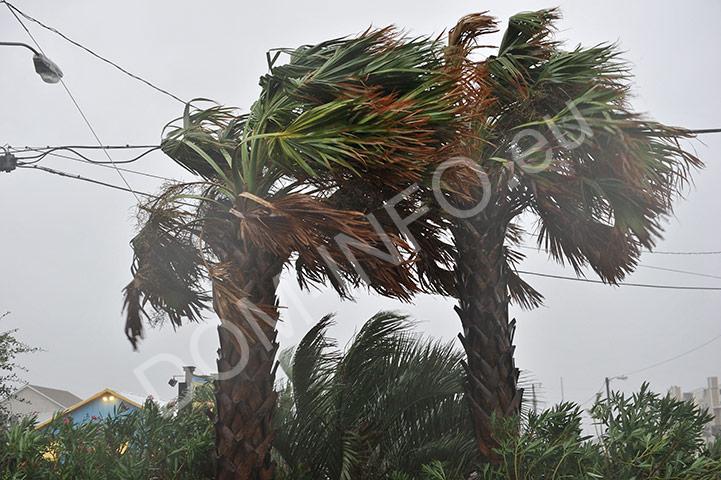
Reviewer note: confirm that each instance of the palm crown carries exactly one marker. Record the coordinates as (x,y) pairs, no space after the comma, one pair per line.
(341,126)
(560,141)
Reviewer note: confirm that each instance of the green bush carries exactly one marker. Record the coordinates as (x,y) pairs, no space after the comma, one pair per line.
(388,407)
(644,436)
(145,444)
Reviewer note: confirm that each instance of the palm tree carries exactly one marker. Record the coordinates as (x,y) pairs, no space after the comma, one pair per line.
(335,131)
(388,404)
(558,143)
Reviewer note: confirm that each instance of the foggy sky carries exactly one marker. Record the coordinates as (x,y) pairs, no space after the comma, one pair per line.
(64,253)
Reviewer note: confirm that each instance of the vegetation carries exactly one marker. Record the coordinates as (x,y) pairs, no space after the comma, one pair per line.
(388,404)
(146,444)
(10,348)
(342,127)
(389,407)
(307,176)
(558,142)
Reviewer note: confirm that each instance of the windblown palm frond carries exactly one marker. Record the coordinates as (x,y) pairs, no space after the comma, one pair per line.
(599,177)
(376,112)
(388,403)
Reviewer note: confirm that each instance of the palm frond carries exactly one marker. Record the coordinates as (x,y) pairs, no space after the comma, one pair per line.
(603,178)
(167,267)
(392,401)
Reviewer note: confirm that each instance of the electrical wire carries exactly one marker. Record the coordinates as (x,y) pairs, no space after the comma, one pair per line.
(27,148)
(685,272)
(44,153)
(713,252)
(86,179)
(104,165)
(595,394)
(75,102)
(675,287)
(98,182)
(622,284)
(652,267)
(653,252)
(14,9)
(675,357)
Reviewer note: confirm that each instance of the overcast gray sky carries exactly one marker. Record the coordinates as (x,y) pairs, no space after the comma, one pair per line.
(64,254)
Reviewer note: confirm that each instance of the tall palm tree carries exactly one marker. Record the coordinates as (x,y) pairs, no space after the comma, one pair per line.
(559,143)
(389,403)
(337,129)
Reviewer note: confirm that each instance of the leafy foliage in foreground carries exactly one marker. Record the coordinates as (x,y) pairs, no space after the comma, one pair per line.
(142,445)
(644,436)
(388,407)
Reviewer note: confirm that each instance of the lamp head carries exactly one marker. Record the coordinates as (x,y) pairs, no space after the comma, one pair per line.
(47,69)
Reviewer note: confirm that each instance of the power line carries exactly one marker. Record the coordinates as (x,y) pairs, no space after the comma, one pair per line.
(98,182)
(653,252)
(623,284)
(686,272)
(14,9)
(104,165)
(44,153)
(712,252)
(675,357)
(75,102)
(652,267)
(87,179)
(27,148)
(595,394)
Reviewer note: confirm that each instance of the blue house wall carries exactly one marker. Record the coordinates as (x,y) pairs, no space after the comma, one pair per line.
(102,405)
(100,408)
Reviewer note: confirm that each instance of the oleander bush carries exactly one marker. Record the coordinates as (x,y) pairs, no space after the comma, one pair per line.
(145,444)
(390,406)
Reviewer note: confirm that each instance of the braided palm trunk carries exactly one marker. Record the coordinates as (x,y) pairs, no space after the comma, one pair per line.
(487,337)
(244,297)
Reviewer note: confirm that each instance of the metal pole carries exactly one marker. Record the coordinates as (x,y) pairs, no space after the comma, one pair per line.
(18,44)
(608,400)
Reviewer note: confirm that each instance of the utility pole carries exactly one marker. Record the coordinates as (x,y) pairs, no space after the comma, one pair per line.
(562,396)
(608,395)
(608,400)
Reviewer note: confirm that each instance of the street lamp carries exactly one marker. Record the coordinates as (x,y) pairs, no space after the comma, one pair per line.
(46,68)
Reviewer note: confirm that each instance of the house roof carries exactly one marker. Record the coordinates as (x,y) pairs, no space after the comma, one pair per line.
(92,398)
(62,398)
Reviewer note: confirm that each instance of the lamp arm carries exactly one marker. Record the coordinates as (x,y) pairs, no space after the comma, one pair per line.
(18,44)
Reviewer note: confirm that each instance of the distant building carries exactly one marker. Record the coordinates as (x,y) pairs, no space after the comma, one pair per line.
(708,398)
(190,381)
(106,403)
(42,402)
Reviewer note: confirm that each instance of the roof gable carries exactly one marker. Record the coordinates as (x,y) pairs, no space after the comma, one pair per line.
(103,393)
(63,398)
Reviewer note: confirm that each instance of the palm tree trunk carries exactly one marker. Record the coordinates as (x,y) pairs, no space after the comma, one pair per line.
(244,297)
(492,378)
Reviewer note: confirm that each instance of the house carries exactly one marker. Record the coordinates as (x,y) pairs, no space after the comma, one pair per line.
(43,402)
(105,403)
